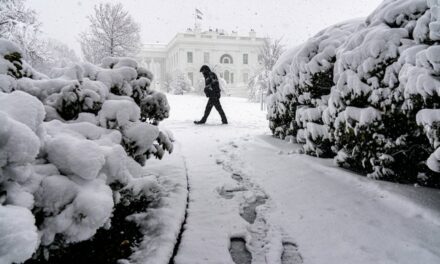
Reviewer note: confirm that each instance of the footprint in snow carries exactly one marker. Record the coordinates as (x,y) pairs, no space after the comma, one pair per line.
(236,176)
(249,212)
(290,254)
(239,252)
(229,192)
(233,144)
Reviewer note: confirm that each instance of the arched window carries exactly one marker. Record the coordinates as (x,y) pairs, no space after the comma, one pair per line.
(226,59)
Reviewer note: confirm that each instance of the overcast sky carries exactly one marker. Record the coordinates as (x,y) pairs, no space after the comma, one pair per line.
(160,20)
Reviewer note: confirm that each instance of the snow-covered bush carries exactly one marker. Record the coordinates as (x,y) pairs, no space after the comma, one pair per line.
(421,88)
(118,113)
(429,119)
(279,114)
(301,81)
(10,59)
(363,91)
(118,80)
(180,83)
(257,86)
(19,234)
(141,88)
(312,132)
(118,62)
(142,72)
(65,143)
(138,140)
(222,84)
(155,107)
(313,78)
(373,133)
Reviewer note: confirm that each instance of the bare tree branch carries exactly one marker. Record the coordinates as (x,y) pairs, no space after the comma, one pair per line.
(20,25)
(112,32)
(267,57)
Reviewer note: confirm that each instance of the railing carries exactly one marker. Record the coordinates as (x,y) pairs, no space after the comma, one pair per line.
(226,37)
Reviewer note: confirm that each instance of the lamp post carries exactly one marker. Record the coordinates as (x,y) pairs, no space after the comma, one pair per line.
(263,84)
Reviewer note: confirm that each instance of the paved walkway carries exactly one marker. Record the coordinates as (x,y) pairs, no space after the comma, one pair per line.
(249,189)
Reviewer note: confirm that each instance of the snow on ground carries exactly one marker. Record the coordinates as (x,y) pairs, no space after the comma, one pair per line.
(307,210)
(162,221)
(336,216)
(211,219)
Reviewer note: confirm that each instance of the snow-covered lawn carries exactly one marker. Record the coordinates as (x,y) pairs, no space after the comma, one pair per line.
(307,207)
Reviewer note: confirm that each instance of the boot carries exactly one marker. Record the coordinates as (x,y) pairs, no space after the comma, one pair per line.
(199,122)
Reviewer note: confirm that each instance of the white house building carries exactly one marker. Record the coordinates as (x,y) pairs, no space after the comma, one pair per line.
(233,57)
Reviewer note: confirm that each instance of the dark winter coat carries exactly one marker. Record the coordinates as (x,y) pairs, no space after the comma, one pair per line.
(212,86)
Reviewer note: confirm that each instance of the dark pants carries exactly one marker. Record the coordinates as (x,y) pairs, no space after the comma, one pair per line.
(216,103)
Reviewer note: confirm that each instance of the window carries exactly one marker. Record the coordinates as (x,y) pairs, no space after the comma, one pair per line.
(245,77)
(191,77)
(206,57)
(226,59)
(260,58)
(245,58)
(189,57)
(226,76)
(232,77)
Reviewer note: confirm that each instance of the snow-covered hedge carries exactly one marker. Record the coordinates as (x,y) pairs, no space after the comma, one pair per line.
(64,141)
(300,83)
(361,91)
(180,84)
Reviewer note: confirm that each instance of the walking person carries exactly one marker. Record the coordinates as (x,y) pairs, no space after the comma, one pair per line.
(212,91)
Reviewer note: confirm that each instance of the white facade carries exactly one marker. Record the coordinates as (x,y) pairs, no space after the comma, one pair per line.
(233,57)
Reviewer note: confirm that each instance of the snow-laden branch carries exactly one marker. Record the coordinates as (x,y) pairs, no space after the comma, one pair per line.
(112,32)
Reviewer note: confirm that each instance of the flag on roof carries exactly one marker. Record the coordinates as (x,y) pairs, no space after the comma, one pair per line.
(199,14)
